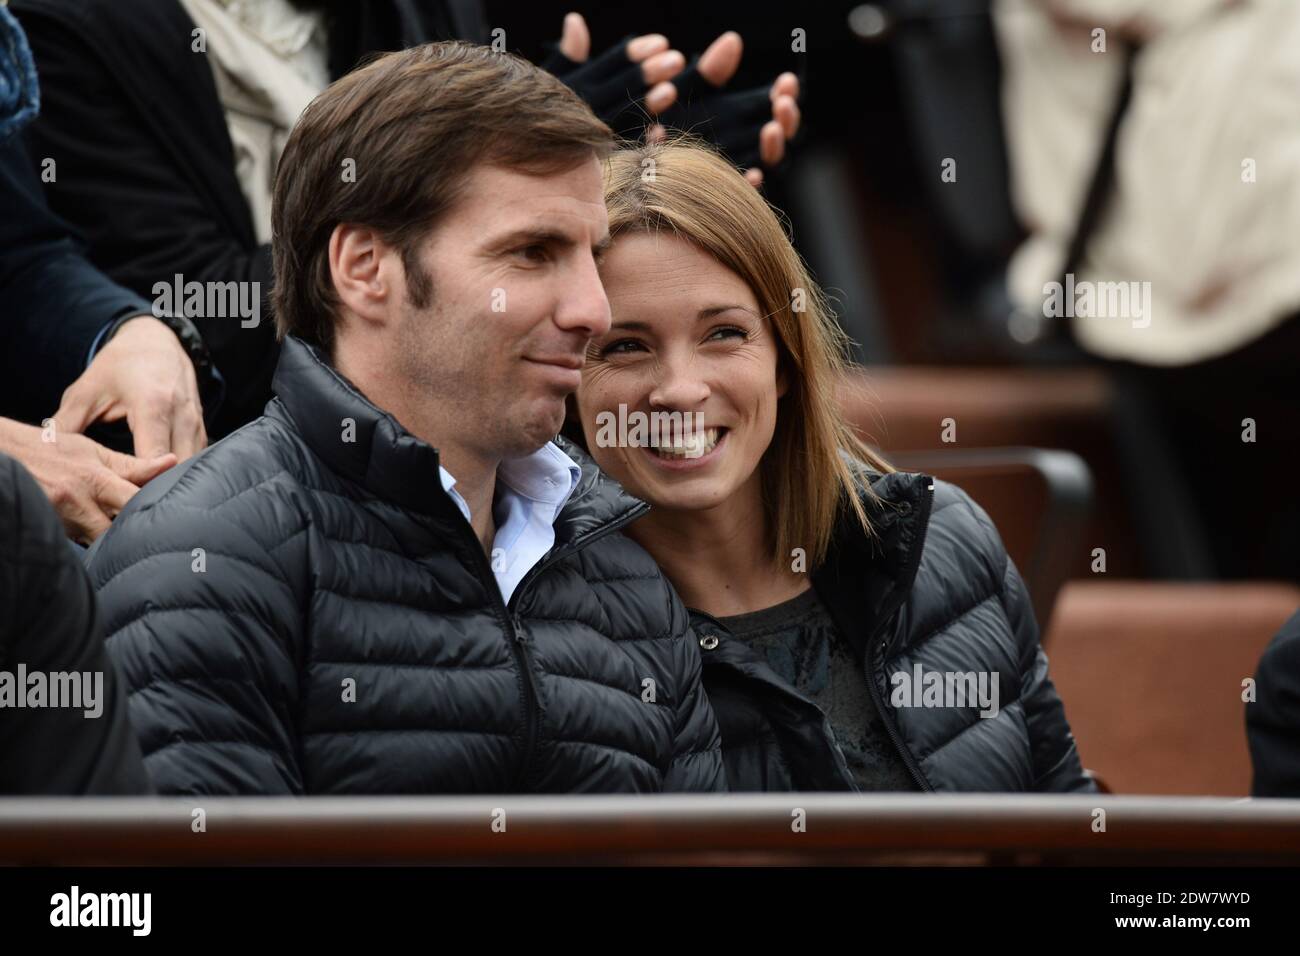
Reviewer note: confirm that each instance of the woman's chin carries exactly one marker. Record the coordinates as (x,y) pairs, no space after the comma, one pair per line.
(677,500)
(681,492)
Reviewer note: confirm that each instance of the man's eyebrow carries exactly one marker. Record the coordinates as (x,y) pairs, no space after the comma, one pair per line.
(529,235)
(540,235)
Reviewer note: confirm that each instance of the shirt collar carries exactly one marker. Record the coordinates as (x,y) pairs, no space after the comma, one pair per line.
(547,476)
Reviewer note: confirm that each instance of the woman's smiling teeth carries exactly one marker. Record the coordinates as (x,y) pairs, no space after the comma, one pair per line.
(691,445)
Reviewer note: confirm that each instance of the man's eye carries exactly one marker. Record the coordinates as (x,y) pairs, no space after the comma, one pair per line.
(534,253)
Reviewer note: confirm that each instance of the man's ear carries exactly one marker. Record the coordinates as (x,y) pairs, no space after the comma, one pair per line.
(361,268)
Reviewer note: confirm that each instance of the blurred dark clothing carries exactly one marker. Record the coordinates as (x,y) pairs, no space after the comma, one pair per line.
(1202,415)
(1273,718)
(145,164)
(49,623)
(53,303)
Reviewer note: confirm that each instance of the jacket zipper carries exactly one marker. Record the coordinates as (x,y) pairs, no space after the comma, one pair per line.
(841,767)
(519,644)
(873,647)
(518,647)
(514,626)
(578,545)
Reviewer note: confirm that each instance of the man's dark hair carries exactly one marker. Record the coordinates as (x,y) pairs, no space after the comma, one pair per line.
(390,145)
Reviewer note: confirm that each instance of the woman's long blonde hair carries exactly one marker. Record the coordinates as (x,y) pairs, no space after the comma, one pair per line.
(808,472)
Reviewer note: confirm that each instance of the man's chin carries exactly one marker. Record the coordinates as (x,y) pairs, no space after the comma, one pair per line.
(540,425)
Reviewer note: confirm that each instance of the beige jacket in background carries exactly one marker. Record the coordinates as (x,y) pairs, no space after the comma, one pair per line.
(1217,83)
(269,60)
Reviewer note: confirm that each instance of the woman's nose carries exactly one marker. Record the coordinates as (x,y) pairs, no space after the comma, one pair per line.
(680,386)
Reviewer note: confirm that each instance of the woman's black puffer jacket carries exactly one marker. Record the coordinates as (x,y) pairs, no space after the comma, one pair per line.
(934,589)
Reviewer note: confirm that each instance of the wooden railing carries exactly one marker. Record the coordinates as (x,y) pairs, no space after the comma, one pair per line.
(677,829)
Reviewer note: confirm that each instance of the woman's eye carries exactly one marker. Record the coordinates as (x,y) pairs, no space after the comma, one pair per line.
(728,332)
(621,347)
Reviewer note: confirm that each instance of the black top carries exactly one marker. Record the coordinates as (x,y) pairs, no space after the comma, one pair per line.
(799,641)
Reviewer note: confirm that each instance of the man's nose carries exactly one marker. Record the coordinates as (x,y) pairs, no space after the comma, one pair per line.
(583,306)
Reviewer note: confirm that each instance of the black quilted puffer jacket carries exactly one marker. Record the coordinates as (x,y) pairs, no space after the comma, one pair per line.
(296,613)
(934,588)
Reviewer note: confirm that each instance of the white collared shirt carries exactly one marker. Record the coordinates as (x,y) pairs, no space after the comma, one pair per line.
(530,493)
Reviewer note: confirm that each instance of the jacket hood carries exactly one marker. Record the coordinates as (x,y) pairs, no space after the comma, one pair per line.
(394,465)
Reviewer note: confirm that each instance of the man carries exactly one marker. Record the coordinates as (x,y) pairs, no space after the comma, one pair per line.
(392,582)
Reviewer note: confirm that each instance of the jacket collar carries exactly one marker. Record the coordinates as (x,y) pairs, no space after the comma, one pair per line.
(597,504)
(865,578)
(394,465)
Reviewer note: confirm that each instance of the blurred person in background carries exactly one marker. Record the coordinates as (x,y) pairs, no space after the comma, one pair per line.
(167,168)
(815,573)
(1155,144)
(75,348)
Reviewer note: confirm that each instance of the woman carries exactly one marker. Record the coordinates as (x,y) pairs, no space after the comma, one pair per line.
(855,622)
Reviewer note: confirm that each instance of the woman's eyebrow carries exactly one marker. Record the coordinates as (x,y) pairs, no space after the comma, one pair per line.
(713,310)
(635,325)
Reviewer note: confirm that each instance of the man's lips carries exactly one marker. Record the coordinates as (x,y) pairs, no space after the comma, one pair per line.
(573,362)
(564,372)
